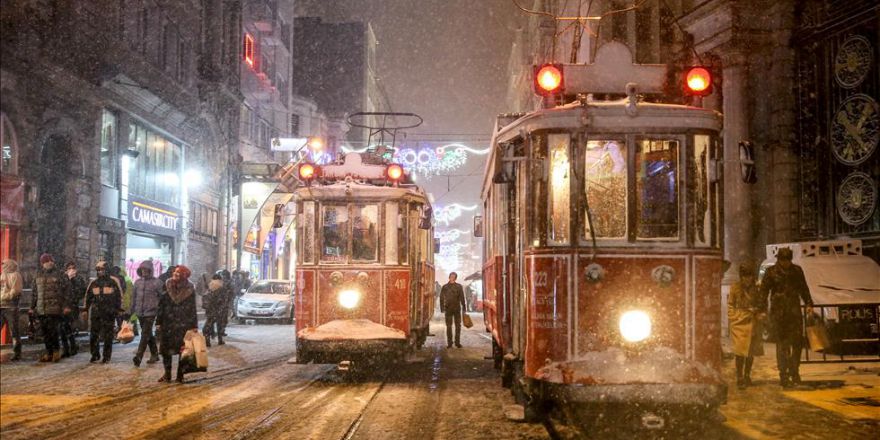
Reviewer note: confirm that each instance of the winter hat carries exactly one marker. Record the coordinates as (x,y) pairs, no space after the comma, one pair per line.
(46,258)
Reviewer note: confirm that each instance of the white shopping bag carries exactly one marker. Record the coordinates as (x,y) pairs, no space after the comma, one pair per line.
(195,342)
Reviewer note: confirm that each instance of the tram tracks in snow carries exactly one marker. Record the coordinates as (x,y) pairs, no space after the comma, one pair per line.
(89,415)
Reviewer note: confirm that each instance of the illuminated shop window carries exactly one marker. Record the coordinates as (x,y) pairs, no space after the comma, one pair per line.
(9,158)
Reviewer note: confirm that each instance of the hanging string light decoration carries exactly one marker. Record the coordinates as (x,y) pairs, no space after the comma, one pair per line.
(449,236)
(449,213)
(431,161)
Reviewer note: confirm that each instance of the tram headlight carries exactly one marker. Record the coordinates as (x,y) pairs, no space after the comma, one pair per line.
(349,298)
(635,325)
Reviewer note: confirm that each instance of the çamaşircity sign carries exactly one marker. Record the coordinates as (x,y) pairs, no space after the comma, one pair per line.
(153,217)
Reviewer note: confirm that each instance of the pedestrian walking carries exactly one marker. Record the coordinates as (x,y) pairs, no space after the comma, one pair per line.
(785,286)
(214,302)
(104,304)
(125,288)
(452,304)
(145,304)
(176,316)
(10,295)
(228,301)
(50,302)
(69,327)
(745,313)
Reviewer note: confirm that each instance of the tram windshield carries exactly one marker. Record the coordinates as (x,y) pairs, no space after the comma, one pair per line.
(349,230)
(619,187)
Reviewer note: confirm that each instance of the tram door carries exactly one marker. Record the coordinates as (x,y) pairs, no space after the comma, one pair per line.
(517,213)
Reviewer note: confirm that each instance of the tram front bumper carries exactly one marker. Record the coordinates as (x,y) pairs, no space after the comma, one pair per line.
(364,350)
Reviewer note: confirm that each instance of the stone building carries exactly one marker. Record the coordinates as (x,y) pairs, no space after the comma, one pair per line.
(798,79)
(120,121)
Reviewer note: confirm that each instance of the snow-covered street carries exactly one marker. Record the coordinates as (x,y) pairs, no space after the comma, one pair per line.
(253,391)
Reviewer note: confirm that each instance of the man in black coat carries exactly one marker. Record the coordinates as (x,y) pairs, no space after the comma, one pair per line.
(69,325)
(50,302)
(786,287)
(452,304)
(104,303)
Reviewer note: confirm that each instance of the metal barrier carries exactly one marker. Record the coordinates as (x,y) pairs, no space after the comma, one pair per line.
(849,326)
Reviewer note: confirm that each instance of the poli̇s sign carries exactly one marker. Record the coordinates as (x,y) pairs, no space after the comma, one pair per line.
(153,217)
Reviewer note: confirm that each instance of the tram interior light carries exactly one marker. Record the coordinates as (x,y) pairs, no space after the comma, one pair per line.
(349,298)
(635,325)
(548,79)
(698,81)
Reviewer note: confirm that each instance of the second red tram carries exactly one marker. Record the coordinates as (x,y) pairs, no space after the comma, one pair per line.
(602,263)
(365,273)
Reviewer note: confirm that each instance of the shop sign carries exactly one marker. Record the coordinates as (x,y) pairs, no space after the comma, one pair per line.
(149,216)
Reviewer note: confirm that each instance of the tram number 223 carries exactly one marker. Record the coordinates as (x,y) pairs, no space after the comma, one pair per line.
(541,279)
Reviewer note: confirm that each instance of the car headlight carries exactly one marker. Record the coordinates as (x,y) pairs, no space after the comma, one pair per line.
(281,304)
(349,298)
(635,325)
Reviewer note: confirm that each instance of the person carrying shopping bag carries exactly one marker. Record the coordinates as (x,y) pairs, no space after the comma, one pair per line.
(176,315)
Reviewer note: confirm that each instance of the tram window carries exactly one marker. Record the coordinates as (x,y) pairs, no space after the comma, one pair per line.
(702,220)
(538,193)
(307,233)
(605,187)
(335,233)
(364,236)
(391,235)
(402,222)
(657,208)
(560,188)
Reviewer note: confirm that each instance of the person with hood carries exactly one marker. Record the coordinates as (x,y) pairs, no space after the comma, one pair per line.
(785,285)
(145,304)
(104,304)
(176,315)
(69,325)
(10,295)
(50,302)
(745,312)
(213,302)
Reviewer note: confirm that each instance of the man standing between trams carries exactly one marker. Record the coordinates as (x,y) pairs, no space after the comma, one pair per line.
(786,286)
(452,304)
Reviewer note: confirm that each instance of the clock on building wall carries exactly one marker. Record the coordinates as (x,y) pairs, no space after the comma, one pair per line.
(853,61)
(856,198)
(855,129)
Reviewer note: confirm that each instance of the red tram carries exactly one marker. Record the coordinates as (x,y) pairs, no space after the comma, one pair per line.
(602,262)
(365,274)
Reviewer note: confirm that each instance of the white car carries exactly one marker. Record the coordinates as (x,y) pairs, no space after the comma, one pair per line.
(266,300)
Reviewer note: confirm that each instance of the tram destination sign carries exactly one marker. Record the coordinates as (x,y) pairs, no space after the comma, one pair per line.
(150,216)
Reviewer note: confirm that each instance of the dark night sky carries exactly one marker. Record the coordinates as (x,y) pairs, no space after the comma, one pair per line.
(443,59)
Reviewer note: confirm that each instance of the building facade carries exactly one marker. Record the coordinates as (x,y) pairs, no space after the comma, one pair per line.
(117,130)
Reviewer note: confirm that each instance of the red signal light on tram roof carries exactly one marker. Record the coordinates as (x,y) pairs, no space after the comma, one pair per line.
(306,171)
(548,79)
(394,171)
(698,81)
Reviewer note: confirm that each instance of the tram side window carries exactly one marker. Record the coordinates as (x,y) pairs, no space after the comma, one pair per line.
(307,233)
(402,222)
(657,209)
(702,217)
(560,188)
(605,188)
(335,233)
(364,234)
(538,192)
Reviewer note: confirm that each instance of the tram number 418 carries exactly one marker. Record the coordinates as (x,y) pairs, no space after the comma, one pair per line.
(400,284)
